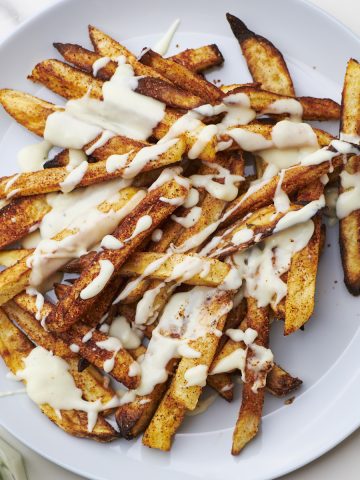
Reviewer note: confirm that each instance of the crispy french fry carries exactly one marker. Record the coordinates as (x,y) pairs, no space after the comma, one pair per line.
(266,64)
(29,111)
(181,76)
(249,419)
(108,47)
(8,258)
(151,86)
(200,59)
(280,383)
(223,384)
(87,349)
(313,108)
(350,104)
(349,230)
(50,180)
(14,348)
(164,424)
(20,216)
(16,278)
(72,307)
(89,380)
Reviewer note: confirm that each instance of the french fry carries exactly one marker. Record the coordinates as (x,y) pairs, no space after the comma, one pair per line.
(249,419)
(313,108)
(199,59)
(72,307)
(265,62)
(49,180)
(8,258)
(301,278)
(350,108)
(151,86)
(29,111)
(87,349)
(16,278)
(222,384)
(89,380)
(20,216)
(14,348)
(280,383)
(182,77)
(349,231)
(106,46)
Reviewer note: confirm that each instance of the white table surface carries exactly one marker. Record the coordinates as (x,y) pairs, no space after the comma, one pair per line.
(341,462)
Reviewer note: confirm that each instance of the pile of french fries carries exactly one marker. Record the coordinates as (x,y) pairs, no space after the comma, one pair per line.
(73,324)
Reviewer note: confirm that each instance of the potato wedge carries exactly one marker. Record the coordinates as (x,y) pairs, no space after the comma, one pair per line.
(72,307)
(199,59)
(249,419)
(266,64)
(350,104)
(14,348)
(182,77)
(8,258)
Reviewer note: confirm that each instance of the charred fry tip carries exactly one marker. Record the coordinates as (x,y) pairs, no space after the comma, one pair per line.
(238,27)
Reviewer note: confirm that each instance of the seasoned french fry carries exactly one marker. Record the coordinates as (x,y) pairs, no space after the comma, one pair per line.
(29,111)
(14,348)
(313,108)
(249,419)
(181,76)
(349,230)
(350,104)
(223,384)
(8,258)
(266,64)
(16,278)
(108,47)
(20,216)
(89,380)
(151,86)
(72,307)
(281,383)
(199,59)
(87,349)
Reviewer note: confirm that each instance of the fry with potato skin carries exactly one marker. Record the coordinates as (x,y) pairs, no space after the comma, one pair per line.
(182,77)
(87,349)
(349,238)
(350,104)
(265,62)
(14,348)
(28,212)
(72,307)
(151,86)
(49,180)
(199,59)
(249,419)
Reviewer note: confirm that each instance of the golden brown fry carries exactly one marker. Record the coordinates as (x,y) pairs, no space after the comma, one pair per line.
(108,47)
(164,424)
(313,108)
(350,104)
(138,262)
(151,86)
(249,419)
(8,258)
(87,349)
(349,230)
(49,180)
(222,384)
(90,381)
(14,348)
(72,307)
(182,77)
(16,278)
(301,282)
(20,216)
(266,63)
(199,59)
(280,383)
(29,111)
(295,178)
(262,223)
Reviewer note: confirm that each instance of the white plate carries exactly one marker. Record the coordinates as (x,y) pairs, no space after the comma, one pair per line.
(325,356)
